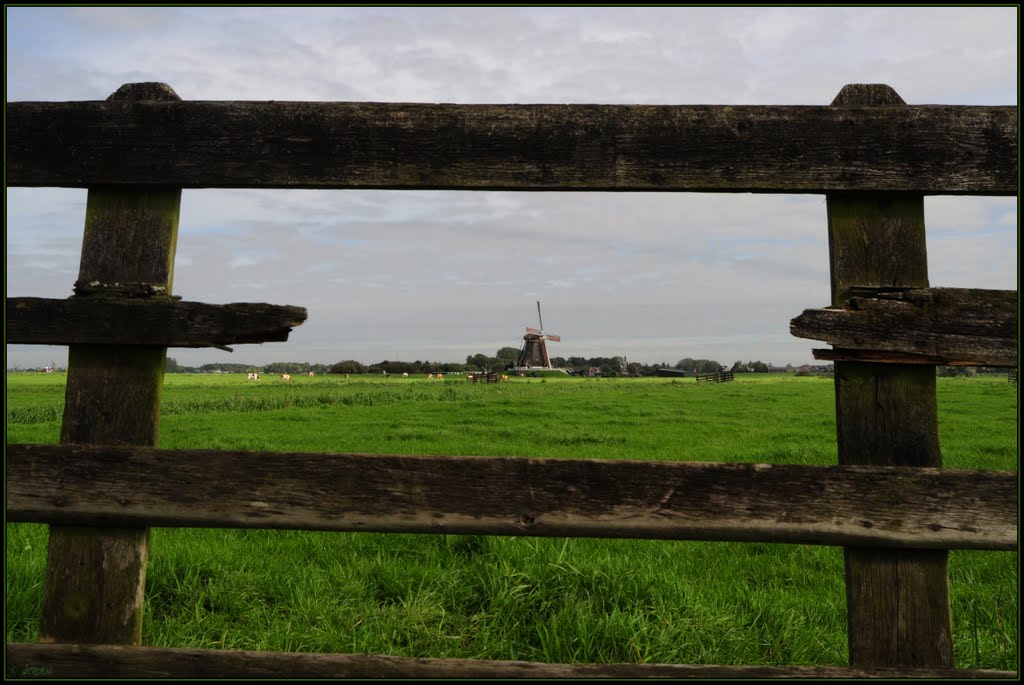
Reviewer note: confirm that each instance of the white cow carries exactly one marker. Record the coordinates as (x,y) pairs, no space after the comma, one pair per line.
(252,377)
(286,377)
(312,373)
(405,375)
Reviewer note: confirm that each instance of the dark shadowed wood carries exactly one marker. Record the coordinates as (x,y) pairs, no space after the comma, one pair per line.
(130,237)
(897,603)
(840,354)
(869,238)
(95,579)
(160,322)
(956,326)
(105,661)
(837,505)
(793,149)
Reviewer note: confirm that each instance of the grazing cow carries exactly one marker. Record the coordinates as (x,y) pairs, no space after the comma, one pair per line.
(405,375)
(504,378)
(430,376)
(286,377)
(312,373)
(440,376)
(252,377)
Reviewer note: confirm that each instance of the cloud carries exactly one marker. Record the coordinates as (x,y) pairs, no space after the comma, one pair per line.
(439,275)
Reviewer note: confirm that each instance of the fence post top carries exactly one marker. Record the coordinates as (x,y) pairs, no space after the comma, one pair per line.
(148,90)
(867,94)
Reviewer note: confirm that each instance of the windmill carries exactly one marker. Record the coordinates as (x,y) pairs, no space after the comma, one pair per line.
(535,352)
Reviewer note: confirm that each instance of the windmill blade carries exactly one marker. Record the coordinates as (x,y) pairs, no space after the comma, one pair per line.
(532,330)
(538,316)
(554,338)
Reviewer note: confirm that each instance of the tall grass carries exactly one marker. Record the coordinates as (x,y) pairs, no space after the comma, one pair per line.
(556,600)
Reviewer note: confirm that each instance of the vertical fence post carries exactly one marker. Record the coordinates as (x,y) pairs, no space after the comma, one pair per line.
(886,414)
(95,578)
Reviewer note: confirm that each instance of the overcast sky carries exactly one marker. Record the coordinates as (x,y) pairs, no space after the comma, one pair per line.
(441,275)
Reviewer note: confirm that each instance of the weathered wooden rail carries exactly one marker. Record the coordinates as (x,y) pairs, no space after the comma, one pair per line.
(833,505)
(888,502)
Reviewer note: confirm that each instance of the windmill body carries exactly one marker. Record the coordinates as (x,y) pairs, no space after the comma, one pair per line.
(534,353)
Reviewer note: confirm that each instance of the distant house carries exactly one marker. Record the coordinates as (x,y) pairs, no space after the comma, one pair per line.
(593,372)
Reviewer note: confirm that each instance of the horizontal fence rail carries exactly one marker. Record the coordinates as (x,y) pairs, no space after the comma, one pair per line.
(111,661)
(153,321)
(950,326)
(928,149)
(905,507)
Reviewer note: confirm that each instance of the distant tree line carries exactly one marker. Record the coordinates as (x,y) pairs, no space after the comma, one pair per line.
(277,367)
(505,358)
(750,367)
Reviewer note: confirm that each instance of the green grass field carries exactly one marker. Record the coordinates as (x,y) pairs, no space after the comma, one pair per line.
(556,600)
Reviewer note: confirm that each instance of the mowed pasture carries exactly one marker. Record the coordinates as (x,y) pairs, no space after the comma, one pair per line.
(538,599)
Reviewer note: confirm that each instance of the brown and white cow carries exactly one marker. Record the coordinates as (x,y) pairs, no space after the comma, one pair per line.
(252,377)
(286,377)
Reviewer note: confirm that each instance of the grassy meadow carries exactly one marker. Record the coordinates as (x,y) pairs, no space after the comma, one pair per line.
(541,599)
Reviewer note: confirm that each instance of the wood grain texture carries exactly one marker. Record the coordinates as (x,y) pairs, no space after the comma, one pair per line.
(156,321)
(130,237)
(794,149)
(95,578)
(840,354)
(103,661)
(956,326)
(886,415)
(835,505)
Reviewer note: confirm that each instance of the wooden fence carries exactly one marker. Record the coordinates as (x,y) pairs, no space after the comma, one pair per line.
(716,377)
(489,377)
(888,502)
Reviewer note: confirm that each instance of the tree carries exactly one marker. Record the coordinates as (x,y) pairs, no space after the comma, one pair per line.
(347,366)
(698,365)
(287,367)
(172,365)
(482,362)
(508,354)
(225,368)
